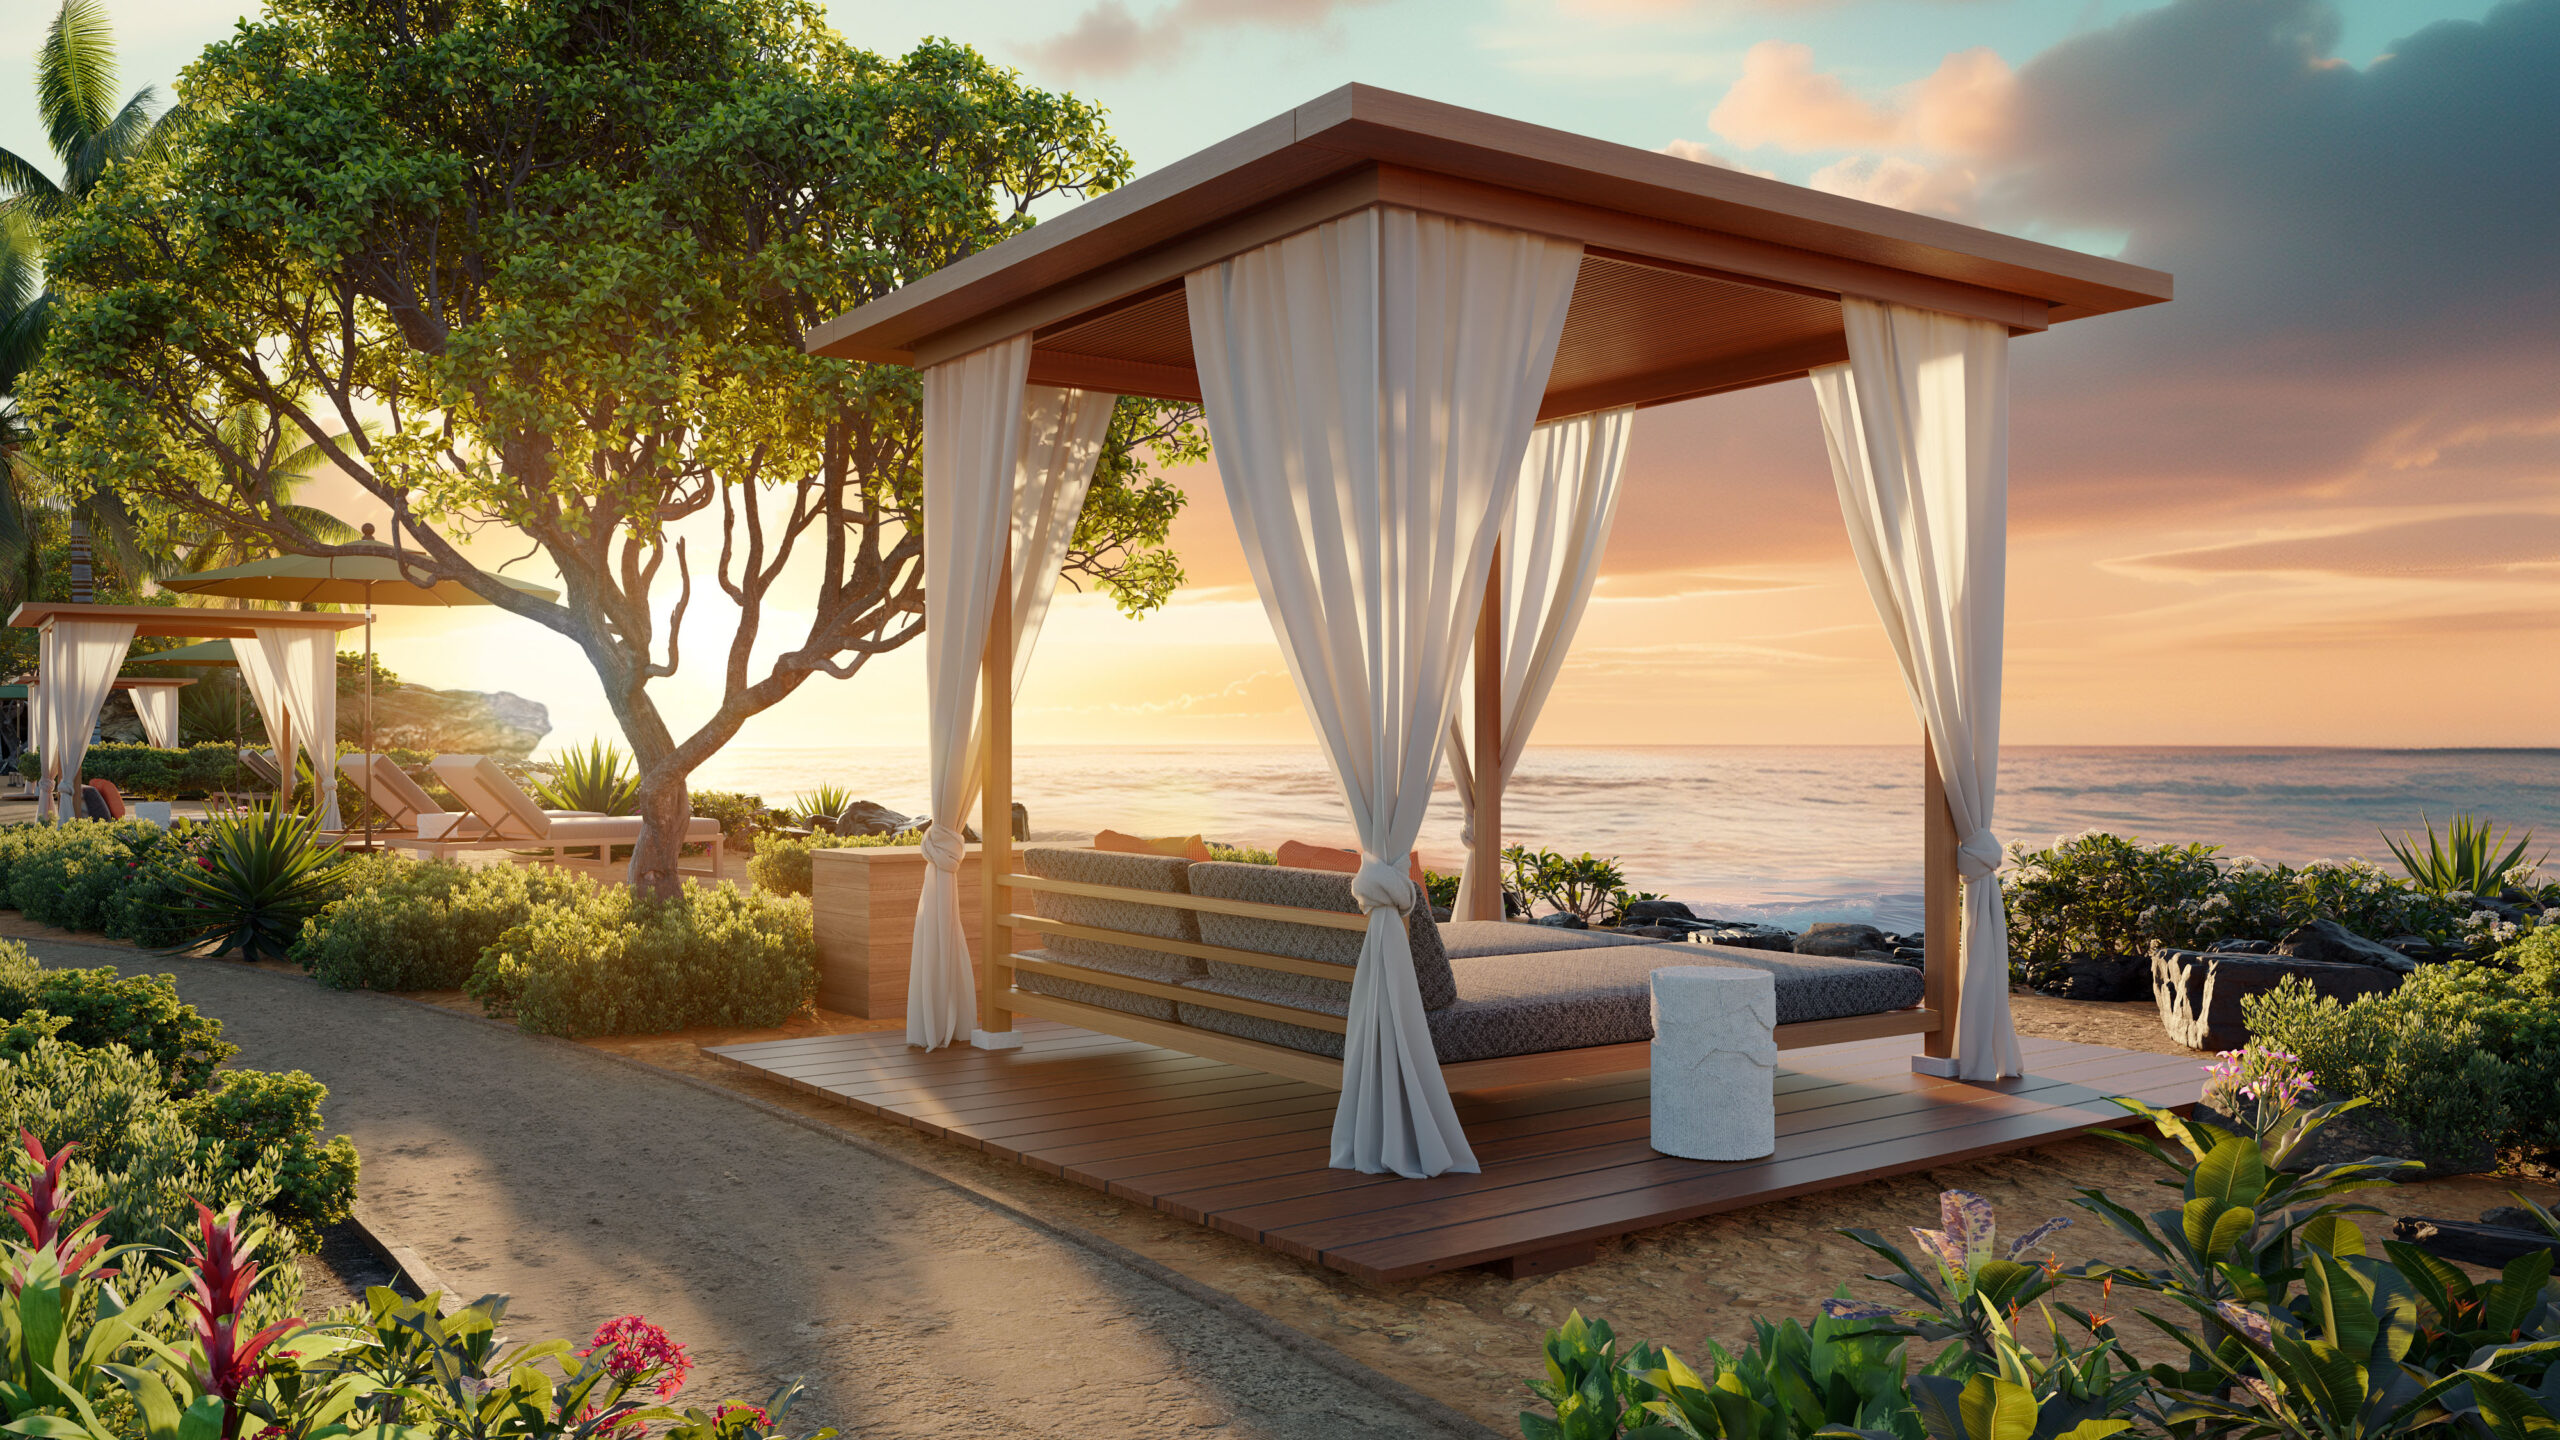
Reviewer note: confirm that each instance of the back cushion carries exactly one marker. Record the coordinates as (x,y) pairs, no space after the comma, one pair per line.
(1164,874)
(1308,890)
(1189,847)
(1299,855)
(113,797)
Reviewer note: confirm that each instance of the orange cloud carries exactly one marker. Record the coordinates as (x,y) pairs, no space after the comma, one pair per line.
(2465,545)
(1108,39)
(1961,108)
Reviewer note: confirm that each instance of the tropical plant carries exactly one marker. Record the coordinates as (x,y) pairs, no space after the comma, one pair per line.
(262,875)
(1581,886)
(742,817)
(2466,860)
(595,777)
(1972,1282)
(822,804)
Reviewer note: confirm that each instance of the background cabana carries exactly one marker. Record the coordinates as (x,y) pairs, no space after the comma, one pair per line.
(1390,309)
(81,647)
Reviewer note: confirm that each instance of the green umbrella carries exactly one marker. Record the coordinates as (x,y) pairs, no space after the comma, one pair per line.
(203,652)
(366,580)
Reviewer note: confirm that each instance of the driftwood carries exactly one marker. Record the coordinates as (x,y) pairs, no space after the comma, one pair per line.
(2490,1245)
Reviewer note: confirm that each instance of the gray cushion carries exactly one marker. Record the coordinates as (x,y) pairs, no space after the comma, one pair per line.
(1568,1000)
(1154,1007)
(1308,890)
(1467,939)
(1164,874)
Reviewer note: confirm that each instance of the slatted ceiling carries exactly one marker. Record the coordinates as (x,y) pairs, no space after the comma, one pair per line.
(1627,322)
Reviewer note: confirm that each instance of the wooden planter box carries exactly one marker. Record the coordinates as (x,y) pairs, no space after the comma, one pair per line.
(864,904)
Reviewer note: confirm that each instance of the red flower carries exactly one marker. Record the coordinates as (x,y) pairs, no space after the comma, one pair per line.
(636,1351)
(740,1407)
(224,1276)
(39,1208)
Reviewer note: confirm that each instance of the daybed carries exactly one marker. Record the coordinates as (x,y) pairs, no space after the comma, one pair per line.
(1252,964)
(503,817)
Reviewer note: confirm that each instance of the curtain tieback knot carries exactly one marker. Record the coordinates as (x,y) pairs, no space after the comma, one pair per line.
(1466,830)
(1381,886)
(943,847)
(1979,855)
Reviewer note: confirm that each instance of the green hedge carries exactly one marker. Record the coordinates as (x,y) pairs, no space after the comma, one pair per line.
(616,964)
(782,865)
(2463,1054)
(147,772)
(101,1007)
(407,925)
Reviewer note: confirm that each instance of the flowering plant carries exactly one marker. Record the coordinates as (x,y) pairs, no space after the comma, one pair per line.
(2259,1086)
(1978,1285)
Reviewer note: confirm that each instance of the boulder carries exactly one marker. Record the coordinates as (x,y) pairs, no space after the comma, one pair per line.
(2096,977)
(2199,992)
(2242,947)
(494,723)
(2332,943)
(1655,932)
(1021,825)
(870,817)
(1839,939)
(1746,936)
(1888,957)
(1658,910)
(1562,921)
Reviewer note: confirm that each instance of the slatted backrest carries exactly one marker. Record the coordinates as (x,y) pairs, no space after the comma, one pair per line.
(481,786)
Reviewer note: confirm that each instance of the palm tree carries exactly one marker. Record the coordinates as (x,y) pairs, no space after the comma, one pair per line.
(89,134)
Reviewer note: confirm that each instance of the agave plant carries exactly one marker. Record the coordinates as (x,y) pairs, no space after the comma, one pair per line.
(824,803)
(263,872)
(2467,859)
(596,777)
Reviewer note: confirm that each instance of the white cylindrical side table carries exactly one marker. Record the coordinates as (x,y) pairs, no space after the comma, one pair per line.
(1715,1062)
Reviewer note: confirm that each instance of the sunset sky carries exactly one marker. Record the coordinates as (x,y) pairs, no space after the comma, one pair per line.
(2315,500)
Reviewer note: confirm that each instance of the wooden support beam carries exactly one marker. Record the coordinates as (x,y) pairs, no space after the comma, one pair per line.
(995,818)
(1486,857)
(1944,962)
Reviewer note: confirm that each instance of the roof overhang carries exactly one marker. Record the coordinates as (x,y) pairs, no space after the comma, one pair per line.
(1695,279)
(207,622)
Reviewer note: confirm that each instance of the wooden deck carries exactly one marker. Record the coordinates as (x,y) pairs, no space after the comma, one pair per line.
(1565,1164)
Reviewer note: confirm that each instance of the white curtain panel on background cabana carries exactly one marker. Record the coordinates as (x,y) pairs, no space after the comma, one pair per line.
(1370,385)
(292,675)
(1062,435)
(78,660)
(972,440)
(1917,424)
(1551,546)
(35,740)
(158,707)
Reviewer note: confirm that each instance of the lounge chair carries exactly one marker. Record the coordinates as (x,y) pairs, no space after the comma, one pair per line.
(503,817)
(1251,964)
(388,788)
(261,765)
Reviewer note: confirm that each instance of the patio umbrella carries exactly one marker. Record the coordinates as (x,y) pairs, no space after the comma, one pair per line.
(366,580)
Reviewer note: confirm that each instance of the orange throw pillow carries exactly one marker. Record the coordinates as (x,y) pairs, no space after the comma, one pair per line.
(1189,847)
(114,797)
(1298,855)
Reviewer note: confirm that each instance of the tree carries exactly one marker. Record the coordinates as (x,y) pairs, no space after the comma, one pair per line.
(89,133)
(561,253)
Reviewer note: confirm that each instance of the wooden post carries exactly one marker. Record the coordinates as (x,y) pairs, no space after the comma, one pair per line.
(995,820)
(1943,966)
(1486,857)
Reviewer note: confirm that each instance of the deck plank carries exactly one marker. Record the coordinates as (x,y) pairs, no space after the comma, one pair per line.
(1565,1163)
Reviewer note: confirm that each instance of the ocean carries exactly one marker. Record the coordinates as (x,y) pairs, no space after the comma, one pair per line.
(1786,835)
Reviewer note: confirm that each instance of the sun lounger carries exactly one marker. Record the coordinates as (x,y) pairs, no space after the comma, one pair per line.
(261,764)
(388,788)
(503,817)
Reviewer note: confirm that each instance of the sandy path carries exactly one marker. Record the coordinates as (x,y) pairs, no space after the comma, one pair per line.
(588,1188)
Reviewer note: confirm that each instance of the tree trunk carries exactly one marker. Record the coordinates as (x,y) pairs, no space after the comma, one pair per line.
(664,805)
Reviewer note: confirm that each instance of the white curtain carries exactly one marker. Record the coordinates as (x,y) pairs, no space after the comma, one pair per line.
(1062,435)
(292,675)
(158,707)
(78,660)
(1918,428)
(35,738)
(1370,386)
(1551,546)
(973,420)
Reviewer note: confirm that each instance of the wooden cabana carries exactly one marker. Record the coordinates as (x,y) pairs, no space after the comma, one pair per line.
(290,661)
(1377,299)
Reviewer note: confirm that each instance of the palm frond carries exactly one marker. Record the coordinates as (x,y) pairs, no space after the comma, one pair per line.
(303,459)
(30,191)
(76,76)
(317,523)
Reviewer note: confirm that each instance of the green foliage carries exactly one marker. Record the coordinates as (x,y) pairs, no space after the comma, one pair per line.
(253,1118)
(781,863)
(2466,861)
(69,875)
(2462,1055)
(100,1007)
(147,772)
(1442,890)
(619,963)
(1584,886)
(1242,854)
(742,817)
(824,803)
(596,777)
(262,874)
(409,925)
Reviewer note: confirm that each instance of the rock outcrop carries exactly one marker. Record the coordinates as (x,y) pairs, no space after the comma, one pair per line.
(495,723)
(2332,943)
(2199,992)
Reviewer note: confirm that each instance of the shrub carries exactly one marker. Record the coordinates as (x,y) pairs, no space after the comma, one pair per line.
(2107,895)
(781,863)
(407,925)
(614,963)
(1583,886)
(253,1117)
(1242,854)
(2466,859)
(742,817)
(263,872)
(100,1007)
(2461,1055)
(596,777)
(147,772)
(68,875)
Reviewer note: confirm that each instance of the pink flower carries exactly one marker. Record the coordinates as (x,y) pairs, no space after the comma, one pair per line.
(636,1351)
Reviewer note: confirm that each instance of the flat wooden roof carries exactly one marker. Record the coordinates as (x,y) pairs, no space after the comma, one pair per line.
(1695,279)
(226,622)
